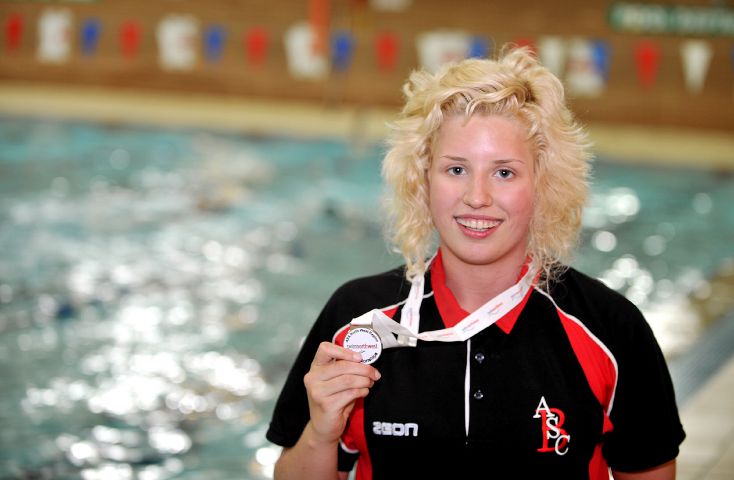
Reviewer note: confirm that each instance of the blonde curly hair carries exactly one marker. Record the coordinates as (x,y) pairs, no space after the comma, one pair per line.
(514,85)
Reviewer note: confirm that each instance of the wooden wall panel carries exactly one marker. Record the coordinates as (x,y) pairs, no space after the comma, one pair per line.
(669,103)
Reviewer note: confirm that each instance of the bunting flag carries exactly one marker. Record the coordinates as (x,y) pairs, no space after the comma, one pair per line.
(177,38)
(647,58)
(583,77)
(319,19)
(441,46)
(390,5)
(386,51)
(303,60)
(13,32)
(552,54)
(602,52)
(54,32)
(91,30)
(479,47)
(696,57)
(256,46)
(130,39)
(342,50)
(526,42)
(214,39)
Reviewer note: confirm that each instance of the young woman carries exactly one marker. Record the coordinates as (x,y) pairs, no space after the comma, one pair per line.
(507,363)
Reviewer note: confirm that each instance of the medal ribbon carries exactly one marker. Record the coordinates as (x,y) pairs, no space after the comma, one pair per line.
(407,329)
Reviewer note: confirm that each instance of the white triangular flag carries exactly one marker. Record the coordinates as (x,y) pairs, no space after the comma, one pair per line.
(583,77)
(441,46)
(552,53)
(303,59)
(177,42)
(54,35)
(390,5)
(696,56)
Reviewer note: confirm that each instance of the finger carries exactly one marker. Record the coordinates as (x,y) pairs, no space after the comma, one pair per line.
(328,352)
(339,376)
(343,399)
(340,384)
(338,368)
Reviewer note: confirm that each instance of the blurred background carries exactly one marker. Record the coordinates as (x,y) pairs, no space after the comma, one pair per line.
(183,184)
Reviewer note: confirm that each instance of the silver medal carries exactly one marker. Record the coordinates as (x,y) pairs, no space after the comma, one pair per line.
(364,341)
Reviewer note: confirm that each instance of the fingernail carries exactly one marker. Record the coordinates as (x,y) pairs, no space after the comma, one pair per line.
(377,375)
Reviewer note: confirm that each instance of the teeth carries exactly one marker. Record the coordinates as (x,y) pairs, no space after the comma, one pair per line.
(477,224)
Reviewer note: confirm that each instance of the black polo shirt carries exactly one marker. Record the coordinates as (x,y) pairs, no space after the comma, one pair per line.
(563,386)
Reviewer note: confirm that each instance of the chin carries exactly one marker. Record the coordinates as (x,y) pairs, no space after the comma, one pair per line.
(485,257)
(479,259)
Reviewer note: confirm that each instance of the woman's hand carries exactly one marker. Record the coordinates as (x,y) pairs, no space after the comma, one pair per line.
(334,382)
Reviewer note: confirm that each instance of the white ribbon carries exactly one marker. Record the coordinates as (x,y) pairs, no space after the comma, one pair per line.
(407,329)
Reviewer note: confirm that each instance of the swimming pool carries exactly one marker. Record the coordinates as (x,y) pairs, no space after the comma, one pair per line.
(155,284)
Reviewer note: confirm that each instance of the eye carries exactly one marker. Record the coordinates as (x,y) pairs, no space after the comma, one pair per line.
(456,170)
(505,173)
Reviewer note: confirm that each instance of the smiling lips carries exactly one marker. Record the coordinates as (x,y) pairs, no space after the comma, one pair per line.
(477,225)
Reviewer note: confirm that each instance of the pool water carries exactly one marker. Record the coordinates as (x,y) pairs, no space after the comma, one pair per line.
(155,284)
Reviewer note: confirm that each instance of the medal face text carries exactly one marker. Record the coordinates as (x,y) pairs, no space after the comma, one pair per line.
(364,341)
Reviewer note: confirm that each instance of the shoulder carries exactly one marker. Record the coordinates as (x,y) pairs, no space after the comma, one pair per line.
(574,287)
(603,310)
(388,285)
(363,294)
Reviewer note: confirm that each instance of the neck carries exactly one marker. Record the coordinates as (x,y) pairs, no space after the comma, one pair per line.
(475,285)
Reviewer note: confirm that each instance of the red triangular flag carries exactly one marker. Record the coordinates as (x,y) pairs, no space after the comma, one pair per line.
(13,32)
(647,57)
(256,46)
(386,50)
(527,42)
(130,39)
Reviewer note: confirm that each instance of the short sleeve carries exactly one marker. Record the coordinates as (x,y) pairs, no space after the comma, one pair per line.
(647,429)
(291,413)
(347,458)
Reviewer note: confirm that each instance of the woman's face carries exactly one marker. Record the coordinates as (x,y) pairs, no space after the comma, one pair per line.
(481,189)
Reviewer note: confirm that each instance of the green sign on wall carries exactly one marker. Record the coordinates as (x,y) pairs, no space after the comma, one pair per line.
(676,20)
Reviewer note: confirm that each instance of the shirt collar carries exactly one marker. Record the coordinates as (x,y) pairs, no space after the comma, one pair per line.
(449,308)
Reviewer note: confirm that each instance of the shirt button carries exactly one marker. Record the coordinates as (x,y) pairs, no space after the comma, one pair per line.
(478,395)
(479,357)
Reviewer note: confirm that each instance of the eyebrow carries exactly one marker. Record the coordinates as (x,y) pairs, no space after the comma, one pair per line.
(501,161)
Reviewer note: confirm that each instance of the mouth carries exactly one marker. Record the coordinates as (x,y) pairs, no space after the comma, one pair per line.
(477,225)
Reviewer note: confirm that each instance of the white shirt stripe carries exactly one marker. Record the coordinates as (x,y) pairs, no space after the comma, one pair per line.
(597,341)
(467,386)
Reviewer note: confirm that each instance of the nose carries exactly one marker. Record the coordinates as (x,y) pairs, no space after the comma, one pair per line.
(478,193)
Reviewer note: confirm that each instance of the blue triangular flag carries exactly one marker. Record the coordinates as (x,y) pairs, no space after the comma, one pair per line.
(601,53)
(342,49)
(214,38)
(91,30)
(479,47)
